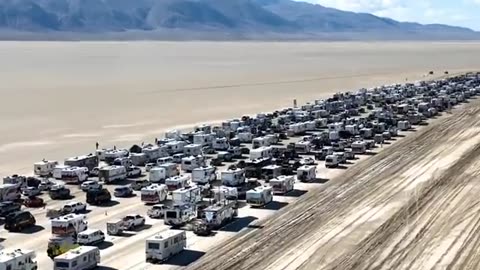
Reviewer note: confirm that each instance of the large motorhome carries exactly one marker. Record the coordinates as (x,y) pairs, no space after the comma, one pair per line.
(192,149)
(112,173)
(84,257)
(204,175)
(192,162)
(260,196)
(177,182)
(163,246)
(233,178)
(154,152)
(44,167)
(217,215)
(187,195)
(18,260)
(282,184)
(175,147)
(89,161)
(154,194)
(179,215)
(64,233)
(74,175)
(111,155)
(261,152)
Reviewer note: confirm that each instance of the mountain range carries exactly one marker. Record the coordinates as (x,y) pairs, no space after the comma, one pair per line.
(205,19)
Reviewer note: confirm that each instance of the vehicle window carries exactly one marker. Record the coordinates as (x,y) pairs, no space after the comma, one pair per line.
(165,245)
(85,259)
(74,263)
(153,246)
(9,267)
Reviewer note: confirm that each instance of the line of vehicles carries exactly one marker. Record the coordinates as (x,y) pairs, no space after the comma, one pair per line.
(183,186)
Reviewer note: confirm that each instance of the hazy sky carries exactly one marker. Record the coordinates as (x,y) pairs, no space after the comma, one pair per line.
(454,12)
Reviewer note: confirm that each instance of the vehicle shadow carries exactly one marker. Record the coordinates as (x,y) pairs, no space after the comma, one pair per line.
(296,193)
(105,245)
(32,229)
(274,206)
(238,224)
(185,257)
(108,204)
(318,181)
(105,268)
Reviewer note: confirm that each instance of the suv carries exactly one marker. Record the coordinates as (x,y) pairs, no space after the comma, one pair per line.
(124,191)
(74,207)
(16,222)
(97,197)
(139,184)
(9,207)
(90,185)
(59,192)
(157,211)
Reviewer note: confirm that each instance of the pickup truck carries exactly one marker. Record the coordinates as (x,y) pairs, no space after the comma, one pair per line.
(134,172)
(59,192)
(157,211)
(133,221)
(31,191)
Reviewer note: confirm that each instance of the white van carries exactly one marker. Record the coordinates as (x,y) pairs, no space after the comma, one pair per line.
(90,237)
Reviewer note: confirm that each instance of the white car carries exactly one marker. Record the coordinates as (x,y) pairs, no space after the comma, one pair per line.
(31,191)
(75,207)
(134,171)
(157,211)
(133,221)
(90,185)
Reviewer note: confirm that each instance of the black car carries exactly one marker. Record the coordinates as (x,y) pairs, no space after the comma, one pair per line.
(59,193)
(97,197)
(9,207)
(17,221)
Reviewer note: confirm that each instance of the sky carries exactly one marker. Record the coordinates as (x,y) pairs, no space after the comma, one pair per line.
(453,12)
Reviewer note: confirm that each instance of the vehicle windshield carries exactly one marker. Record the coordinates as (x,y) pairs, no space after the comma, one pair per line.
(62,264)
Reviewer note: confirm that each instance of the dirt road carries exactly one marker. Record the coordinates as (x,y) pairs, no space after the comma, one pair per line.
(412,206)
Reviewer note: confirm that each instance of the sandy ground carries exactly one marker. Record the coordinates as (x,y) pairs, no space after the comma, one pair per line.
(58,99)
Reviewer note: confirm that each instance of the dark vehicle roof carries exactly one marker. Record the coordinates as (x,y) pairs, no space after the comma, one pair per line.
(16,214)
(7,203)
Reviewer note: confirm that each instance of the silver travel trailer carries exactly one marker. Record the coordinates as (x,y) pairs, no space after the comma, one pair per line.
(111,174)
(175,147)
(192,162)
(204,175)
(171,169)
(89,161)
(80,258)
(261,152)
(18,260)
(306,173)
(233,178)
(44,167)
(157,175)
(203,139)
(161,247)
(245,137)
(154,152)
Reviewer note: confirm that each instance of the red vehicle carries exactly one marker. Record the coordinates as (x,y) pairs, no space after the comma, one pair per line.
(34,202)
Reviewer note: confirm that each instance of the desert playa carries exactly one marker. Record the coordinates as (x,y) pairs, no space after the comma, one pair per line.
(59,98)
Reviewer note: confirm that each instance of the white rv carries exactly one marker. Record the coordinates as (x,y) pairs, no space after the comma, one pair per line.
(89,161)
(111,155)
(303,147)
(177,182)
(282,184)
(70,224)
(57,171)
(192,149)
(261,152)
(154,194)
(80,258)
(164,160)
(187,195)
(44,167)
(359,147)
(74,175)
(219,214)
(171,169)
(233,178)
(18,260)
(163,246)
(154,152)
(9,192)
(204,175)
(204,128)
(245,137)
(260,142)
(260,196)
(220,144)
(306,173)
(223,193)
(192,162)
(138,159)
(113,173)
(175,147)
(179,215)
(157,175)
(203,139)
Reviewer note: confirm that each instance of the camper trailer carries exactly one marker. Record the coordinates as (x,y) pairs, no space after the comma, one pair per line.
(161,247)
(84,257)
(69,224)
(220,144)
(154,152)
(223,193)
(245,137)
(89,161)
(306,173)
(179,215)
(260,142)
(157,175)
(18,260)
(111,174)
(192,162)
(44,167)
(164,160)
(74,175)
(187,195)
(282,184)
(204,175)
(138,159)
(260,196)
(233,178)
(359,147)
(177,182)
(175,147)
(217,215)
(261,152)
(154,193)
(303,147)
(203,139)
(57,171)
(192,149)
(271,171)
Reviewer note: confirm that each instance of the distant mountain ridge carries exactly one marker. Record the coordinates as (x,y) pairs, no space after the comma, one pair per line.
(229,18)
